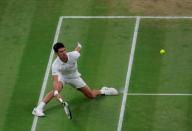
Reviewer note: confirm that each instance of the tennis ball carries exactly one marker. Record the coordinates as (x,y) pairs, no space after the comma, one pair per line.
(162,51)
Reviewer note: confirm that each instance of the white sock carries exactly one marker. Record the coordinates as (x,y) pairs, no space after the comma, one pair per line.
(41,105)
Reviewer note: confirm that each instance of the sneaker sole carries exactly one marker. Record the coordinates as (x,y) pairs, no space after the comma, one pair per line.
(34,113)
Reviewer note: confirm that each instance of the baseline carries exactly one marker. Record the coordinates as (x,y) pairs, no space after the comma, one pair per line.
(126,17)
(158,94)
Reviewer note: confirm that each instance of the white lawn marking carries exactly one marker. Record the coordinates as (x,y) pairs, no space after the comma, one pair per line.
(123,105)
(158,94)
(44,85)
(166,17)
(126,17)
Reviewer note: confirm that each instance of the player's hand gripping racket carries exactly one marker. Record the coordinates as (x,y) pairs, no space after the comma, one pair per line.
(67,110)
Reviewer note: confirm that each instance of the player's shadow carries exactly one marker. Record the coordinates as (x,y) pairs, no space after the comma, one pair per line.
(52,109)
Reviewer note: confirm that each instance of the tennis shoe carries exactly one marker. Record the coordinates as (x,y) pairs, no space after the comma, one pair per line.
(38,112)
(109,91)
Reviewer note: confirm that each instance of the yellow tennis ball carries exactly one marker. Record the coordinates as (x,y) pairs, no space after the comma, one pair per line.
(162,51)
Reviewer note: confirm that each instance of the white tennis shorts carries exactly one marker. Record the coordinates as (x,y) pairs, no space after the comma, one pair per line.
(75,82)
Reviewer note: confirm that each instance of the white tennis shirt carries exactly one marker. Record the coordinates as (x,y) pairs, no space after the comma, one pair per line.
(69,69)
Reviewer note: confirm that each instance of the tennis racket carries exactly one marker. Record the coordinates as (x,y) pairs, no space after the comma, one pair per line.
(67,110)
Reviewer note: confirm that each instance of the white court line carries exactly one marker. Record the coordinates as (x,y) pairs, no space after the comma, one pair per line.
(166,17)
(44,85)
(123,105)
(125,17)
(158,94)
(98,17)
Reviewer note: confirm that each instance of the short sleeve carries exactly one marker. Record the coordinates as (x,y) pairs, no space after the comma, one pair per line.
(74,55)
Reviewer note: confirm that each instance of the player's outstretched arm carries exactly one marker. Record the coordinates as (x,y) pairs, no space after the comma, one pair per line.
(57,86)
(78,47)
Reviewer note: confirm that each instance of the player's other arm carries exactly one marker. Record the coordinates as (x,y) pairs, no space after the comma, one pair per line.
(78,47)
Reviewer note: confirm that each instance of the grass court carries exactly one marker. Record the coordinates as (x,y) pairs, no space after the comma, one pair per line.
(156,88)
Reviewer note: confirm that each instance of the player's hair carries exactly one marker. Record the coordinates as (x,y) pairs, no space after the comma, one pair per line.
(57,46)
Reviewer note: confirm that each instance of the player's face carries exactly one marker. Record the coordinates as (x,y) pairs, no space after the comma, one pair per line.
(62,54)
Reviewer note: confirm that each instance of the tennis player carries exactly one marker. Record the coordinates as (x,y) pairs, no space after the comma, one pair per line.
(65,71)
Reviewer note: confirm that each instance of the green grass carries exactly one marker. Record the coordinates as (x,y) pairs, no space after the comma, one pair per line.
(157,113)
(27,31)
(26,50)
(155,73)
(13,38)
(168,73)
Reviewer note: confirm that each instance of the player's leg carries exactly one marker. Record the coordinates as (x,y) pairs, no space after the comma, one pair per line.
(82,86)
(38,111)
(94,93)
(91,94)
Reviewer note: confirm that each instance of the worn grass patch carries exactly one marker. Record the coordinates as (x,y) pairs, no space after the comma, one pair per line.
(160,7)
